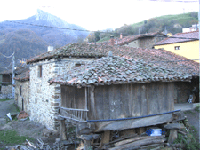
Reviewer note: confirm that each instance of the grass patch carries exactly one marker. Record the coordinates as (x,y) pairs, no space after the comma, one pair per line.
(10,137)
(188,112)
(190,141)
(2,100)
(197,109)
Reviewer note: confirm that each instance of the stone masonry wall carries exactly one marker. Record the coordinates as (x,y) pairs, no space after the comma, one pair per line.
(44,99)
(135,43)
(6,92)
(24,95)
(148,42)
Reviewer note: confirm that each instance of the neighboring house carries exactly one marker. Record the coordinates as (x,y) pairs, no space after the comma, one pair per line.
(6,85)
(44,99)
(194,27)
(111,92)
(138,41)
(22,89)
(183,44)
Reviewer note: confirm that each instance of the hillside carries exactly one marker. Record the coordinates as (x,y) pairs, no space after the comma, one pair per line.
(172,23)
(28,41)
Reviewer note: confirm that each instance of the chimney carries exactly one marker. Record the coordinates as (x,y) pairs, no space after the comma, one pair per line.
(49,48)
(121,36)
(110,54)
(112,41)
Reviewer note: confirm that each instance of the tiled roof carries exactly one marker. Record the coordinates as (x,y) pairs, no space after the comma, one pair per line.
(23,76)
(82,50)
(6,72)
(113,69)
(131,38)
(158,57)
(180,37)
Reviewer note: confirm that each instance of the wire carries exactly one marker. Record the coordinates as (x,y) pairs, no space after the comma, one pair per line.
(55,27)
(7,56)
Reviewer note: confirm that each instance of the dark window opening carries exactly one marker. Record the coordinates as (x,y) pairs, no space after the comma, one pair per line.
(20,90)
(176,47)
(40,71)
(78,65)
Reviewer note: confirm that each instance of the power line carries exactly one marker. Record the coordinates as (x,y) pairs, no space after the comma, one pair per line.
(7,56)
(55,27)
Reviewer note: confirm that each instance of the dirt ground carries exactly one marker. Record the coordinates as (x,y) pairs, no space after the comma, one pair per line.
(36,130)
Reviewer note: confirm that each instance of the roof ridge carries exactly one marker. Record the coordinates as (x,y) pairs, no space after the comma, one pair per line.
(186,32)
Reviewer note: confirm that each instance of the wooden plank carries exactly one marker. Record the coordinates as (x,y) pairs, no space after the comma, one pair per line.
(141,130)
(133,123)
(98,97)
(126,141)
(62,130)
(165,108)
(125,100)
(142,142)
(118,101)
(105,137)
(161,97)
(86,98)
(106,107)
(79,98)
(93,110)
(172,136)
(144,102)
(136,100)
(152,99)
(111,103)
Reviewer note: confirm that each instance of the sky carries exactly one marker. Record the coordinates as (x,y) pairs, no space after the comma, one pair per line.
(97,14)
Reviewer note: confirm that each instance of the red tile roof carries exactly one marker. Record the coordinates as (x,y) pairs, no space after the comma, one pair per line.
(23,76)
(180,37)
(112,69)
(131,38)
(158,57)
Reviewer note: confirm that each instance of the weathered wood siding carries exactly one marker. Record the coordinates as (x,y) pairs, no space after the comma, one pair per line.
(72,97)
(120,100)
(130,100)
(7,79)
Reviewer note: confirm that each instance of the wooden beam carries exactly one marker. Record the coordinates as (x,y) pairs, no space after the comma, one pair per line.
(105,137)
(133,123)
(62,130)
(86,98)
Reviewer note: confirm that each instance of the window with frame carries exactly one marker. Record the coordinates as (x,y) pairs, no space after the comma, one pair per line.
(176,47)
(39,71)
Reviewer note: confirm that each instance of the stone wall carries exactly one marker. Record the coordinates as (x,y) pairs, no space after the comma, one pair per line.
(23,96)
(44,98)
(148,42)
(135,43)
(6,92)
(145,42)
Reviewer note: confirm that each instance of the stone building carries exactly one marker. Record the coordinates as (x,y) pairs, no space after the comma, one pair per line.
(44,98)
(144,41)
(22,89)
(6,85)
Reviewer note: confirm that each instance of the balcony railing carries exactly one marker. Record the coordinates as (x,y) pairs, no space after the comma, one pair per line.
(78,115)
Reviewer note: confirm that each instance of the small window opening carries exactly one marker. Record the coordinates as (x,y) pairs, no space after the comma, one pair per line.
(40,71)
(78,65)
(176,47)
(20,90)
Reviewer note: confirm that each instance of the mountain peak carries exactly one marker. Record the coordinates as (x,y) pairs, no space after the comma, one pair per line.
(41,15)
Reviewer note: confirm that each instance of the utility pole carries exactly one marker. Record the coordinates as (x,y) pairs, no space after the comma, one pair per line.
(13,75)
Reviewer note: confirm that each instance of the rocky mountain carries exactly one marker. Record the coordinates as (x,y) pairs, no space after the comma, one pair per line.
(31,36)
